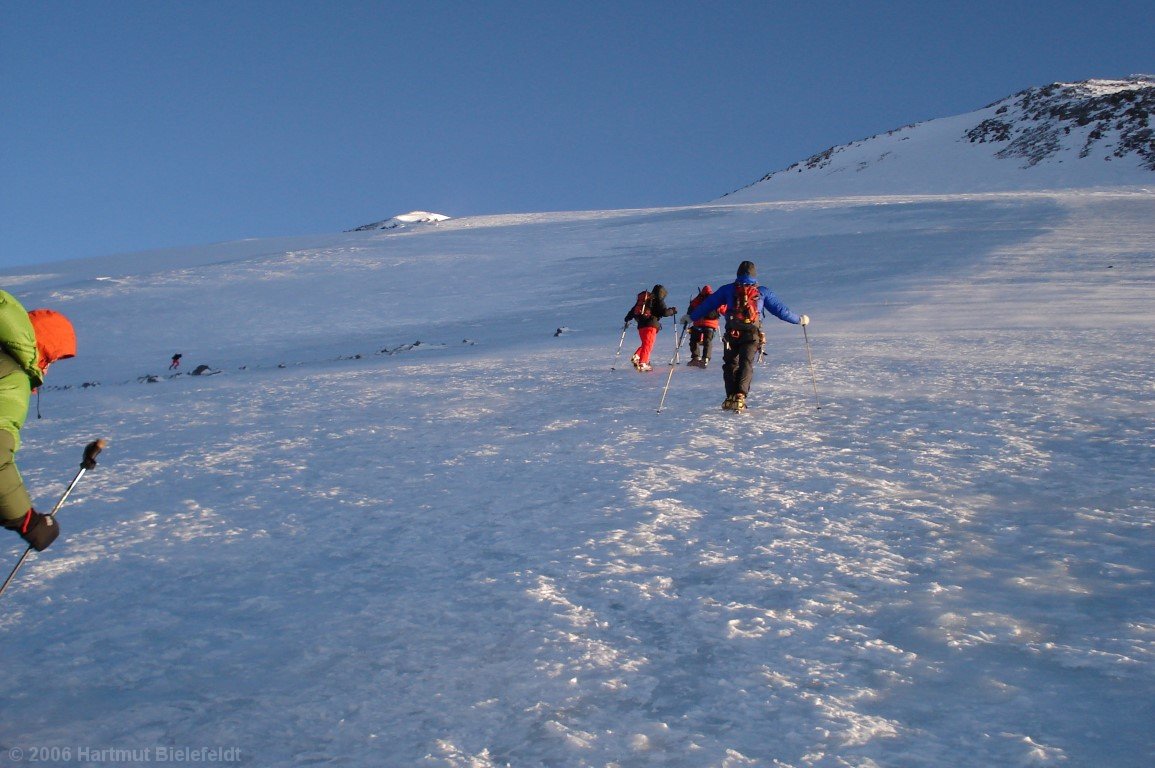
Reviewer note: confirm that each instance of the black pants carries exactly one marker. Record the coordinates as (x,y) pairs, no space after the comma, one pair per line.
(738,361)
(700,341)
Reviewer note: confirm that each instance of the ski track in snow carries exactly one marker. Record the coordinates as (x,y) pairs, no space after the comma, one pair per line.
(480,559)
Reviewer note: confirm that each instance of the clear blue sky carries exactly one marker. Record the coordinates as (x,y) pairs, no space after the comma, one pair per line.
(134,124)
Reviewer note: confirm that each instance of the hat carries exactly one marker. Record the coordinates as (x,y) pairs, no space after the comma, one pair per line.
(55,337)
(747,269)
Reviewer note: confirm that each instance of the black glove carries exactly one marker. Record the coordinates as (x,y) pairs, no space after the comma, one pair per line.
(37,529)
(90,453)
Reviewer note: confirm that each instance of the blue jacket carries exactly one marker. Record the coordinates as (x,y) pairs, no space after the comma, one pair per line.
(725,295)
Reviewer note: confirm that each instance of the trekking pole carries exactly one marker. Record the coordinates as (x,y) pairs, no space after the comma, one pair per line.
(625,328)
(88,462)
(810,362)
(673,365)
(677,342)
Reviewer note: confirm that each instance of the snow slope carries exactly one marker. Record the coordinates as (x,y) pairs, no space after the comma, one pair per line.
(488,549)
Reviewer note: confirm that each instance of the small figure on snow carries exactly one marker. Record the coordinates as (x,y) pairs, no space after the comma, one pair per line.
(175,362)
(702,331)
(29,343)
(745,304)
(648,311)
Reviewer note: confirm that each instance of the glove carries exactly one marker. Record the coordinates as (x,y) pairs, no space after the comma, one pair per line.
(685,320)
(91,451)
(36,529)
(804,321)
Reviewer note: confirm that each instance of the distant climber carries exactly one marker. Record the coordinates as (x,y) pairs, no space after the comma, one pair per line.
(648,311)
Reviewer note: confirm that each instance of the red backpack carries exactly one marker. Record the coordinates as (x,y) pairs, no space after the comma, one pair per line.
(702,294)
(747,305)
(642,306)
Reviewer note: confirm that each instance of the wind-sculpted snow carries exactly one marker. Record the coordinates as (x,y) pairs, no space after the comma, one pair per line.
(499,554)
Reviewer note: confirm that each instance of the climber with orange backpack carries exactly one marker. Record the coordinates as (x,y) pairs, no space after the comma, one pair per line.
(745,304)
(648,310)
(702,331)
(29,343)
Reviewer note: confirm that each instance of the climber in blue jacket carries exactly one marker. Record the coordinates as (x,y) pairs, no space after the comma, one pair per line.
(746,304)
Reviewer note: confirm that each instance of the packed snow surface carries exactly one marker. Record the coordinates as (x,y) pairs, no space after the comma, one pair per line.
(407,524)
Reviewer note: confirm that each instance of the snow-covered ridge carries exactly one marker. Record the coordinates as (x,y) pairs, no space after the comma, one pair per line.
(1112,116)
(401,220)
(1095,133)
(1101,87)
